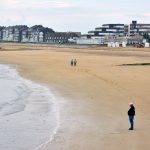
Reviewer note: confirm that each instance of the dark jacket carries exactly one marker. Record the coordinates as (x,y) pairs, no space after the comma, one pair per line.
(131,111)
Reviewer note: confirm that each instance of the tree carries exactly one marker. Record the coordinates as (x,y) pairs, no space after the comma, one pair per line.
(147,37)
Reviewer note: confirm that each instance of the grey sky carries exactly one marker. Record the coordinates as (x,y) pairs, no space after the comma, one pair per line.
(73,15)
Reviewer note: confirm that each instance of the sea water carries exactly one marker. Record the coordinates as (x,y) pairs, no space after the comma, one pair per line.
(29,114)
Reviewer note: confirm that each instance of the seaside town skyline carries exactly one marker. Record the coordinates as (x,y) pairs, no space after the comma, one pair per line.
(71,15)
(108,34)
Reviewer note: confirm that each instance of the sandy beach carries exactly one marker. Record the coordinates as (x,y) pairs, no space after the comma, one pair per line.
(95,93)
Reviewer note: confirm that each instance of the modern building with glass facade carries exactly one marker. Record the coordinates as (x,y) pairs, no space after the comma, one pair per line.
(109,30)
(139,28)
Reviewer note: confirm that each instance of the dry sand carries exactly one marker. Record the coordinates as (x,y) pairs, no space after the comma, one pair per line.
(96,93)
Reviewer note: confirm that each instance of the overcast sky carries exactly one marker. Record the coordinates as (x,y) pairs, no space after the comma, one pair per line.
(73,15)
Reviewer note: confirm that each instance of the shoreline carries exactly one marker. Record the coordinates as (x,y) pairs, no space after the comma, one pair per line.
(32,100)
(97,94)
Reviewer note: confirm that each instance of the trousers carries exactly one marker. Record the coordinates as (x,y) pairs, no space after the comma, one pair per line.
(131,119)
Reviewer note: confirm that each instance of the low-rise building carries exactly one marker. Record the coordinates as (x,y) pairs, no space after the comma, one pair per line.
(33,33)
(134,39)
(86,40)
(24,36)
(109,30)
(60,37)
(1,32)
(13,33)
(36,34)
(7,34)
(17,37)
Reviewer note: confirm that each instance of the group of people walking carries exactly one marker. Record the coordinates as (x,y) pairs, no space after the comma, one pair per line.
(73,62)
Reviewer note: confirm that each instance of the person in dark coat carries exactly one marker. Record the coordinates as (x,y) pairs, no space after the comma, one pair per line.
(131,114)
(71,62)
(75,62)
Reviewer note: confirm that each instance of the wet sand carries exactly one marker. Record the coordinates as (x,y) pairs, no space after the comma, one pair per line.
(96,93)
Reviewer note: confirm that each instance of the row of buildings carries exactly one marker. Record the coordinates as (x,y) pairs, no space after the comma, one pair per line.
(132,33)
(106,34)
(120,30)
(35,34)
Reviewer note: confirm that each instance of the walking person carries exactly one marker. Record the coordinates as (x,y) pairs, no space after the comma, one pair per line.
(71,62)
(131,114)
(75,62)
